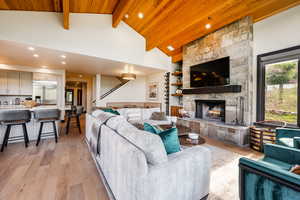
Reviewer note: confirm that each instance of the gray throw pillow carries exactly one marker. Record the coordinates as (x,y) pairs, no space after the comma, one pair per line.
(159,116)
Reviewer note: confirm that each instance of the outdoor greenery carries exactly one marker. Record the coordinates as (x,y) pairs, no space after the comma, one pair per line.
(281,92)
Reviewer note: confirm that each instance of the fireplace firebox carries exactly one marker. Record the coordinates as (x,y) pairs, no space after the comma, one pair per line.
(210,110)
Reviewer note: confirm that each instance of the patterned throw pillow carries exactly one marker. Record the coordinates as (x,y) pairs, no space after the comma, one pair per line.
(160,116)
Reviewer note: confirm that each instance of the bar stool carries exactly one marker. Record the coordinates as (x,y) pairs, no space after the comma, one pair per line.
(11,118)
(47,116)
(75,112)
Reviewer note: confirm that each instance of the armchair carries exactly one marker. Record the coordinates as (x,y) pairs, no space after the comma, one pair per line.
(288,137)
(269,178)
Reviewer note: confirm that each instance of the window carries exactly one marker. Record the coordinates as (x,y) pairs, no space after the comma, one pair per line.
(278,78)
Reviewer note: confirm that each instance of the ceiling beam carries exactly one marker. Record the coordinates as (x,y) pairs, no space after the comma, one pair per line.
(121,9)
(57,5)
(164,33)
(66,13)
(146,23)
(162,15)
(177,58)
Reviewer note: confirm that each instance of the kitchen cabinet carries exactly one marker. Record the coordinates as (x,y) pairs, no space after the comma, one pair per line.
(13,83)
(26,83)
(3,82)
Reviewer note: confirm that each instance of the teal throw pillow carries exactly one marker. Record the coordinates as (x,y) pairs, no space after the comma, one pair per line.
(169,137)
(151,129)
(111,111)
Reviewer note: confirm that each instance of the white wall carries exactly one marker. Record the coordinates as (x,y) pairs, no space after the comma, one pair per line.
(275,33)
(133,91)
(108,82)
(89,34)
(159,78)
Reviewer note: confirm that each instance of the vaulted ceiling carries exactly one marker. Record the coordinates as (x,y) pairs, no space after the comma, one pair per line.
(165,23)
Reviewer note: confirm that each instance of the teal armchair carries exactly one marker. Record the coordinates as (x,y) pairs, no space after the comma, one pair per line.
(288,137)
(269,178)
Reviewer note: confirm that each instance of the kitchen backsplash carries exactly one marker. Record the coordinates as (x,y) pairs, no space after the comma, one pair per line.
(12,100)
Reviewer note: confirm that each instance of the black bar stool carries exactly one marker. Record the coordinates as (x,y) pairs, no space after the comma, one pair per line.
(11,118)
(47,116)
(75,112)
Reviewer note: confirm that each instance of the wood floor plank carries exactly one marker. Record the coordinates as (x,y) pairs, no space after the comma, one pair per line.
(76,192)
(51,171)
(60,171)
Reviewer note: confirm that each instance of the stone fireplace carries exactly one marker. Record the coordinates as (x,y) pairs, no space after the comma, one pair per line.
(213,110)
(214,113)
(233,41)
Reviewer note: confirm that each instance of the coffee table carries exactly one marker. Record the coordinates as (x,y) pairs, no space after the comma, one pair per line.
(186,141)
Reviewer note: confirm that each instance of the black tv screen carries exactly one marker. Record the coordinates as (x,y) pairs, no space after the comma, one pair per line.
(214,73)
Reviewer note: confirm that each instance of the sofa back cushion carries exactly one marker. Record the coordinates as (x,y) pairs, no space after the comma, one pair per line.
(121,163)
(147,112)
(150,144)
(169,137)
(131,114)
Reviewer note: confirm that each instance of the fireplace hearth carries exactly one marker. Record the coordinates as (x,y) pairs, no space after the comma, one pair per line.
(213,110)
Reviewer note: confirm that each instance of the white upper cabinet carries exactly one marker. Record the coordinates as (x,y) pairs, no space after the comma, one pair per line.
(26,83)
(3,82)
(13,83)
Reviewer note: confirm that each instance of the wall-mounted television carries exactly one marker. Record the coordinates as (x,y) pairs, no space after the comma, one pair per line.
(213,73)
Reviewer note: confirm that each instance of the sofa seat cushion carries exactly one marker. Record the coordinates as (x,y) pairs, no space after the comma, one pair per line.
(169,137)
(288,142)
(276,163)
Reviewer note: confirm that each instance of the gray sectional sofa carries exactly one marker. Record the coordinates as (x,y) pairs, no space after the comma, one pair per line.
(134,165)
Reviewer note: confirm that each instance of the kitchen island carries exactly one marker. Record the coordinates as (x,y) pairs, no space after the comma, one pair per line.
(32,126)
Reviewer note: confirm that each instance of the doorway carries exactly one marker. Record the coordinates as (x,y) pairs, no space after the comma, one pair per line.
(76,93)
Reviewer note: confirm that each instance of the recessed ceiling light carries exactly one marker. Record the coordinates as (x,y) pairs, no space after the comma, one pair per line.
(80,75)
(63,62)
(171,48)
(126,16)
(63,56)
(44,66)
(141,15)
(31,48)
(208,26)
(36,55)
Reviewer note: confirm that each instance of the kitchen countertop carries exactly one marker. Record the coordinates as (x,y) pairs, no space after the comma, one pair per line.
(21,107)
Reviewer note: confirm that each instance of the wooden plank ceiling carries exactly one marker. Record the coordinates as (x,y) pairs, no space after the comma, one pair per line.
(165,22)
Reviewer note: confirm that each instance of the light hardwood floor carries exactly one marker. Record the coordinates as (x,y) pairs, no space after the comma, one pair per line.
(62,171)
